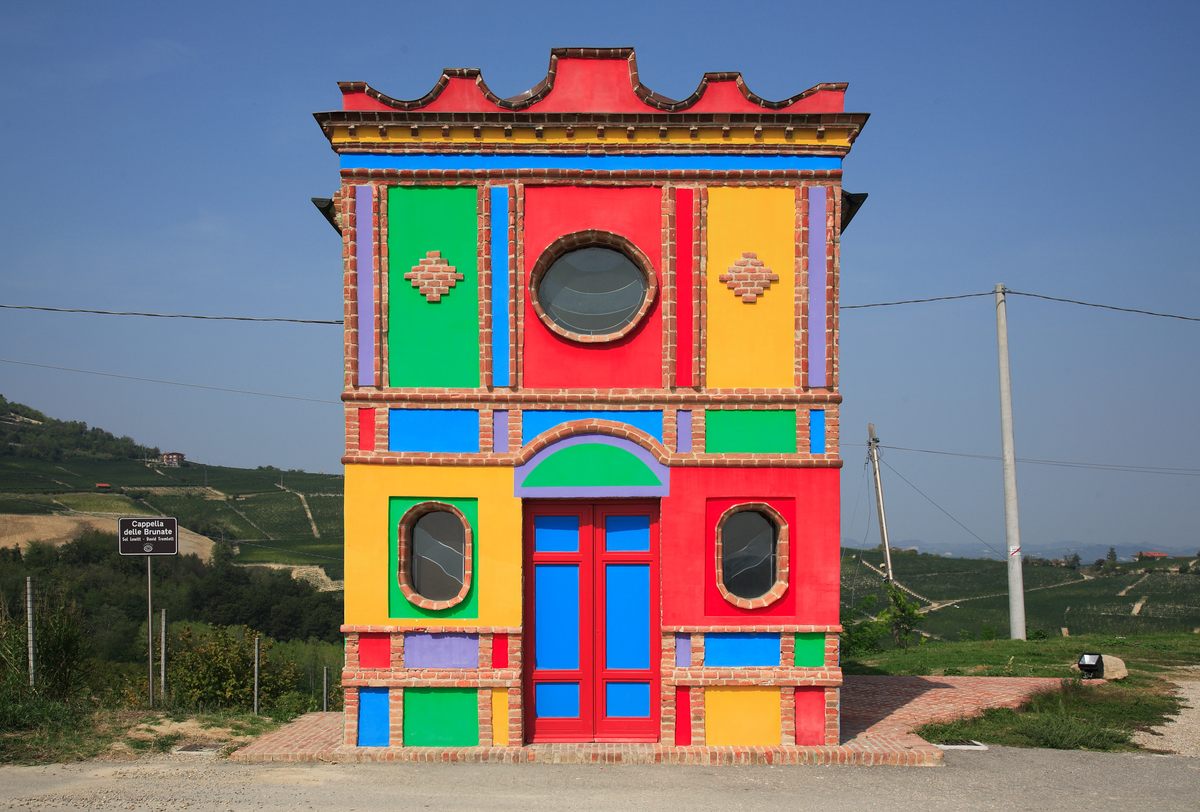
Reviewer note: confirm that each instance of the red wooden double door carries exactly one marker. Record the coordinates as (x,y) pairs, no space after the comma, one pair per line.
(591,621)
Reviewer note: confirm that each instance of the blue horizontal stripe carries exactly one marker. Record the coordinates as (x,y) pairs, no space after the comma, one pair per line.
(602,163)
(735,650)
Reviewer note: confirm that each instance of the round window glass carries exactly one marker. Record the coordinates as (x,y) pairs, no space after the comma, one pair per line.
(438,551)
(748,548)
(593,291)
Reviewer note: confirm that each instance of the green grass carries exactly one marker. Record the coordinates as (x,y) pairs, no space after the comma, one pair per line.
(1081,716)
(327,512)
(1144,654)
(295,551)
(205,515)
(103,503)
(27,504)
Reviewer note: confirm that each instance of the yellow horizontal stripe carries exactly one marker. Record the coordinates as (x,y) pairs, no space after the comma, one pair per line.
(399,134)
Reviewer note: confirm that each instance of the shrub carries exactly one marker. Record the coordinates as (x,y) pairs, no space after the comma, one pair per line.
(215,669)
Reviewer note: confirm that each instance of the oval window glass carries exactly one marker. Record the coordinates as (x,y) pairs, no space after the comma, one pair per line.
(438,549)
(592,291)
(748,550)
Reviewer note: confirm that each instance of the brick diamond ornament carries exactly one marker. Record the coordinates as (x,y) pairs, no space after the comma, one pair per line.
(433,276)
(748,278)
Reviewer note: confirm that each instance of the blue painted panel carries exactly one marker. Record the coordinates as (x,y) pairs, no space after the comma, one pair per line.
(816,431)
(627,533)
(741,649)
(556,700)
(556,534)
(500,289)
(627,616)
(627,699)
(373,720)
(444,430)
(601,163)
(535,421)
(556,616)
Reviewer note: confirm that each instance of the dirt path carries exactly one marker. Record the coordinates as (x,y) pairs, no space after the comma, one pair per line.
(1137,607)
(1181,734)
(304,504)
(1125,591)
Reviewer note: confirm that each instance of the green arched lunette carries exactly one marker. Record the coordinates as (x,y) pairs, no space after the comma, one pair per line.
(591,465)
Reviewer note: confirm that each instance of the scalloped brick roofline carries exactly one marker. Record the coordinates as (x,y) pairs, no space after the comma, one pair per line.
(592,80)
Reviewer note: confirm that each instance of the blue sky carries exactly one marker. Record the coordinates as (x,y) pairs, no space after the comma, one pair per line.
(160,157)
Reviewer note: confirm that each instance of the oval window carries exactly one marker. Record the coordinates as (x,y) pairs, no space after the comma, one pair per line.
(749,540)
(437,555)
(592,293)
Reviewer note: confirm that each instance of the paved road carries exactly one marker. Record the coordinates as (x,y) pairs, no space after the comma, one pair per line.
(1001,778)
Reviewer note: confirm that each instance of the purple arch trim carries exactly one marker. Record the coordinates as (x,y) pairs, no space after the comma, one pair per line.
(661,471)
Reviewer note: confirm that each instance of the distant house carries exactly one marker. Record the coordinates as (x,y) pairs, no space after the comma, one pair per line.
(172,459)
(103,486)
(1151,555)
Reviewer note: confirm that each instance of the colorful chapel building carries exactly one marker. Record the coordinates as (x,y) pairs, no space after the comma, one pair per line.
(591,409)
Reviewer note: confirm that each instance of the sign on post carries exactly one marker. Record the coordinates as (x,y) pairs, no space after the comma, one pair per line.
(148,535)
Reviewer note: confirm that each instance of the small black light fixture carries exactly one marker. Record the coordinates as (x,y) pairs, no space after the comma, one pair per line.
(1091,665)
(325,206)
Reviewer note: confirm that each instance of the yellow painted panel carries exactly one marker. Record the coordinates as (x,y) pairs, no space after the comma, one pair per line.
(500,717)
(401,134)
(751,344)
(368,489)
(742,716)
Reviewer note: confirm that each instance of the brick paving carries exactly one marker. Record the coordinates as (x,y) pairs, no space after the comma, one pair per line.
(879,714)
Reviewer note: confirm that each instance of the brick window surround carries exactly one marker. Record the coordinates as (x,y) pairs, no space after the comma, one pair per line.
(593,238)
(780,586)
(404,555)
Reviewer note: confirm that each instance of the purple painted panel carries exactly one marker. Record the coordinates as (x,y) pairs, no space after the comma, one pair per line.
(441,650)
(500,431)
(818,307)
(365,251)
(683,650)
(683,431)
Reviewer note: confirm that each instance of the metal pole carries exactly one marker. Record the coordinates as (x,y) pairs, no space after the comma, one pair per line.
(325,688)
(149,632)
(873,451)
(162,656)
(1012,528)
(256,675)
(29,623)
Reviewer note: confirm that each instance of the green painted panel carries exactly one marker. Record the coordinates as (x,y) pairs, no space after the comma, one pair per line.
(433,343)
(750,431)
(398,605)
(589,465)
(810,649)
(441,717)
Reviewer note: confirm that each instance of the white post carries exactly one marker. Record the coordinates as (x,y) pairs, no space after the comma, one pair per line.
(29,623)
(256,675)
(149,633)
(1012,528)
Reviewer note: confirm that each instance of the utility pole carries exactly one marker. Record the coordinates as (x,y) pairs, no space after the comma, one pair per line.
(1012,527)
(29,623)
(873,453)
(256,675)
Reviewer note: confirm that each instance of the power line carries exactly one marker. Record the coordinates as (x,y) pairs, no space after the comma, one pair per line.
(169,383)
(948,514)
(149,315)
(916,301)
(1104,306)
(1100,466)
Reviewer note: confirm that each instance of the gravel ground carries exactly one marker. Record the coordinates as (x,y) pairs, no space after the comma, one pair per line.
(1182,733)
(1001,778)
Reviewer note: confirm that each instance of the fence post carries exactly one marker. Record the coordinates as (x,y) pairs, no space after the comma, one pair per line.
(256,675)
(29,623)
(325,688)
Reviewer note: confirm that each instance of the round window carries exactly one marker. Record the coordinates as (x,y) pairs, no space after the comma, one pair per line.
(748,554)
(592,293)
(434,567)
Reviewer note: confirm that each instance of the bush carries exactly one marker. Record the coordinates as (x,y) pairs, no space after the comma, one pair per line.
(214,668)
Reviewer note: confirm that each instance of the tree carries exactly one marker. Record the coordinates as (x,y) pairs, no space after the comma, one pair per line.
(1072,561)
(902,616)
(1110,560)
